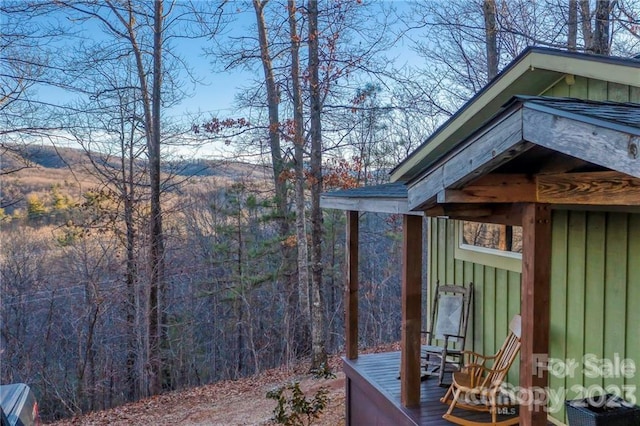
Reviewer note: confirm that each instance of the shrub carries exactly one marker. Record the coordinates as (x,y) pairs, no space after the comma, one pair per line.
(294,408)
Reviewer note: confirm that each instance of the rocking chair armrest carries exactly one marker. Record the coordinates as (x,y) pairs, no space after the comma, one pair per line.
(471,357)
(476,373)
(447,336)
(476,355)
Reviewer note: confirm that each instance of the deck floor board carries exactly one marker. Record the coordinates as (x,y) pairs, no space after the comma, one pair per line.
(382,370)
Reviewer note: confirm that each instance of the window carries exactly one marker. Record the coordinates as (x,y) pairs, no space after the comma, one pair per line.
(491,236)
(490,244)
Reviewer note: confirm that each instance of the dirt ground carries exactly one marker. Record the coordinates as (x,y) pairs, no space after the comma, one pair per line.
(231,402)
(227,403)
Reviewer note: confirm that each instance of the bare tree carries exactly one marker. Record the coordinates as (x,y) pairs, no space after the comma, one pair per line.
(572,25)
(596,35)
(300,178)
(470,41)
(491,37)
(138,29)
(319,355)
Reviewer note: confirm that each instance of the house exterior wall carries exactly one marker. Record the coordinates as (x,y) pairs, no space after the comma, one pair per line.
(595,90)
(595,298)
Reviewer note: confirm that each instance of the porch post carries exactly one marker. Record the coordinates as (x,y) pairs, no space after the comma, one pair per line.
(534,307)
(351,287)
(411,310)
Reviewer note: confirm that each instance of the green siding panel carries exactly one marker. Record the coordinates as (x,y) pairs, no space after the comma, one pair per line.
(576,258)
(489,337)
(561,90)
(634,94)
(594,290)
(478,306)
(618,92)
(597,90)
(632,344)
(615,290)
(513,308)
(449,276)
(595,295)
(580,89)
(558,299)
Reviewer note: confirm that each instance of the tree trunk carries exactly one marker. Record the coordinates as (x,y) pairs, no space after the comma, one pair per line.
(601,32)
(128,188)
(152,104)
(491,39)
(319,355)
(280,184)
(298,141)
(572,25)
(157,244)
(585,19)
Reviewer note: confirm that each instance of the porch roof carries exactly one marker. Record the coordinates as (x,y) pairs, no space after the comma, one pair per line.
(383,198)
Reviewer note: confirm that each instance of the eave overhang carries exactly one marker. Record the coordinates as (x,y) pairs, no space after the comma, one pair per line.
(385,198)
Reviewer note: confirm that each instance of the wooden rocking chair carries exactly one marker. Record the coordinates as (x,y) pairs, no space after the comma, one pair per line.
(477,386)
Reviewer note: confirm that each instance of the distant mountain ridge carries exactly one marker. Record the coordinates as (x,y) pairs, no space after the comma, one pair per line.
(35,169)
(62,157)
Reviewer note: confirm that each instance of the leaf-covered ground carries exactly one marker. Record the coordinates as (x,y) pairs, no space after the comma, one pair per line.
(231,402)
(228,403)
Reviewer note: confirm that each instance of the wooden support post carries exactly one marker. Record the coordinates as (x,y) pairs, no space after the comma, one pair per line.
(411,311)
(534,306)
(351,287)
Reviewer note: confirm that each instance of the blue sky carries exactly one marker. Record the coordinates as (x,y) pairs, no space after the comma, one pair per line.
(217,93)
(214,94)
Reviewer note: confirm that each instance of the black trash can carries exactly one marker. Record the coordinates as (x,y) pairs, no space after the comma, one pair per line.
(602,410)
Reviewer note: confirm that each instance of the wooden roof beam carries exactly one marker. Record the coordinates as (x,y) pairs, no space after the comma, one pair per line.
(493,188)
(607,188)
(506,214)
(594,188)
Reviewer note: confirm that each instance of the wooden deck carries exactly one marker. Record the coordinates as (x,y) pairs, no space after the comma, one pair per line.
(373,395)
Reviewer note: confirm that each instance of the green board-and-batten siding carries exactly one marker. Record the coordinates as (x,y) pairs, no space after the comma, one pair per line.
(595,296)
(595,90)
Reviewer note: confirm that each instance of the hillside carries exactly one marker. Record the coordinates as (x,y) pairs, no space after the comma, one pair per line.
(35,169)
(230,402)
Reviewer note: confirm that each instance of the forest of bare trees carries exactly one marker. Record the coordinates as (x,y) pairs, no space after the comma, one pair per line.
(131,265)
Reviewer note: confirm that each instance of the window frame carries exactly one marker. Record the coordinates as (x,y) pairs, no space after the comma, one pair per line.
(508,260)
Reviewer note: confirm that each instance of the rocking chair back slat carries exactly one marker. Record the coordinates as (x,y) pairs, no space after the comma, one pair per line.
(506,355)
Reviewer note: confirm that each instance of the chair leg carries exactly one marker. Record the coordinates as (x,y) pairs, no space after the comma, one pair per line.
(443,361)
(494,408)
(456,395)
(447,395)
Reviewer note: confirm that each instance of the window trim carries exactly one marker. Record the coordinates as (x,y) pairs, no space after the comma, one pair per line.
(508,260)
